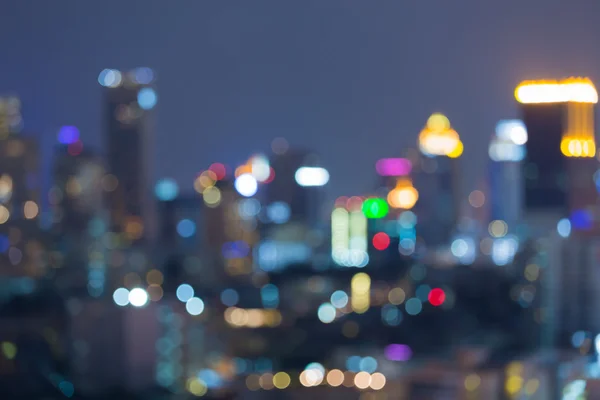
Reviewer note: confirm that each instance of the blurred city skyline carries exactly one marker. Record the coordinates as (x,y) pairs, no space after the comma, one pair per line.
(348,80)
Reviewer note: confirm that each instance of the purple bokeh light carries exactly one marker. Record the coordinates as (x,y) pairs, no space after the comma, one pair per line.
(68,134)
(398,352)
(393,167)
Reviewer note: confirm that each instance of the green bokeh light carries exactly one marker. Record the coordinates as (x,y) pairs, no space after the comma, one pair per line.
(375,208)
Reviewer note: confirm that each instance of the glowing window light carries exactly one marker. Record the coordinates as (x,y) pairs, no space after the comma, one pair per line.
(246,185)
(110,78)
(579,90)
(575,147)
(404,195)
(361,292)
(166,189)
(513,131)
(579,137)
(393,167)
(311,176)
(375,208)
(138,297)
(340,234)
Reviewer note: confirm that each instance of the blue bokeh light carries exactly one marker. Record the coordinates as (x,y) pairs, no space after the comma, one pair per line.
(147,98)
(166,189)
(186,228)
(68,135)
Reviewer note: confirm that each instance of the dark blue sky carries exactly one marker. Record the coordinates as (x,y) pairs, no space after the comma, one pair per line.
(353,80)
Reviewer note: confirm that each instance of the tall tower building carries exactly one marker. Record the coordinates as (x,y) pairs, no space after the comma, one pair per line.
(129,99)
(79,217)
(436,177)
(506,151)
(21,242)
(560,161)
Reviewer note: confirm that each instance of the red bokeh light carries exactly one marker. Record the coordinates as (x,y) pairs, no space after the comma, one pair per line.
(75,148)
(271,176)
(219,170)
(437,297)
(381,241)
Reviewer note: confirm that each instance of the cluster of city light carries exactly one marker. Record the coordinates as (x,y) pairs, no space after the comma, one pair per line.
(311,176)
(404,195)
(361,292)
(577,90)
(508,144)
(205,184)
(349,237)
(314,375)
(252,317)
(137,297)
(439,139)
(579,136)
(113,78)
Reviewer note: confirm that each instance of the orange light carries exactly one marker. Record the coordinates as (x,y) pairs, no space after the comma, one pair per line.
(404,195)
(579,90)
(439,139)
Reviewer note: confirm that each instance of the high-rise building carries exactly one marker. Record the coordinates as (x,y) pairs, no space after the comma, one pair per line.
(21,240)
(129,99)
(559,164)
(506,152)
(79,216)
(436,177)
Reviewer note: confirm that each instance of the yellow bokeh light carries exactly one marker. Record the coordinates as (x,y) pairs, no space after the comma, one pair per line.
(457,151)
(361,292)
(439,139)
(335,377)
(532,386)
(196,387)
(281,380)
(576,147)
(498,228)
(532,272)
(30,209)
(9,350)
(513,384)
(396,296)
(212,196)
(4,214)
(579,90)
(438,122)
(472,382)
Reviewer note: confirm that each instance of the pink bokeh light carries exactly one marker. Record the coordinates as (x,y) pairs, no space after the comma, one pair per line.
(393,167)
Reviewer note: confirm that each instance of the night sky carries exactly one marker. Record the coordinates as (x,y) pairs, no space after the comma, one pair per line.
(353,80)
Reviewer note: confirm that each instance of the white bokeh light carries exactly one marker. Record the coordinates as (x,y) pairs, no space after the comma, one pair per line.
(121,297)
(138,297)
(312,176)
(246,185)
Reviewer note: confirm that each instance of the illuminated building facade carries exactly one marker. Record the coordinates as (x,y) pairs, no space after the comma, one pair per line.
(349,233)
(21,241)
(129,99)
(506,151)
(560,163)
(79,219)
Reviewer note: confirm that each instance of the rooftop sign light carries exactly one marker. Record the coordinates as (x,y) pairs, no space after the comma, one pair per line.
(393,167)
(439,139)
(576,90)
